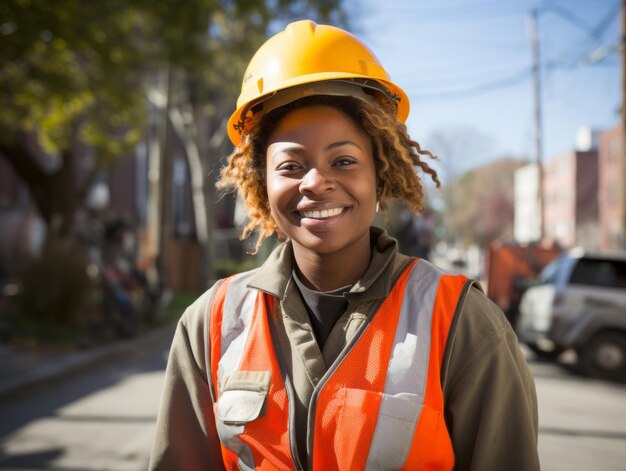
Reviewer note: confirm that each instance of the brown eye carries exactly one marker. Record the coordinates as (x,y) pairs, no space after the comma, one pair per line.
(289,167)
(344,162)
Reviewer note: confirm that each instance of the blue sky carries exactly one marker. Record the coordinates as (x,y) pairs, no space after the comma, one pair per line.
(466,66)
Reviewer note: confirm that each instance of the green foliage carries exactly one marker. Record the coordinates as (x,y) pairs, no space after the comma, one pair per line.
(66,62)
(225,267)
(175,308)
(71,61)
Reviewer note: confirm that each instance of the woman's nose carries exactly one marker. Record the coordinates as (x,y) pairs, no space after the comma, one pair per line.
(315,181)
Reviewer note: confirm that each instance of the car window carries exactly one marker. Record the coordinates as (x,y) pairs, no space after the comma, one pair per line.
(600,272)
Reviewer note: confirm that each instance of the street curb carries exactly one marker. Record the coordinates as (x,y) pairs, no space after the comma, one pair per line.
(54,371)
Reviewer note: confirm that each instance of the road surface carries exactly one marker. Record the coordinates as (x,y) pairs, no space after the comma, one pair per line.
(104,420)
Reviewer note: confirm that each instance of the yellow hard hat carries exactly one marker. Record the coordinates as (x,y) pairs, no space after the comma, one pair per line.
(309,59)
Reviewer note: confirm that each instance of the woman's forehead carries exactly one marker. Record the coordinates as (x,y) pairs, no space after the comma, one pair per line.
(329,120)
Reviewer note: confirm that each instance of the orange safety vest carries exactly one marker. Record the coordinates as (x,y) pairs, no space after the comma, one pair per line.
(378,407)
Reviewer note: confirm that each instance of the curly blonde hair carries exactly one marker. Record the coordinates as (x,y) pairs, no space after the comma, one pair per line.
(396,158)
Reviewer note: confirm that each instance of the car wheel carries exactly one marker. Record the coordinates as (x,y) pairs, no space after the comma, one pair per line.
(543,353)
(605,356)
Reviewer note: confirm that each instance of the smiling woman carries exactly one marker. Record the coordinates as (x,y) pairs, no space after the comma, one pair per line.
(339,353)
(394,154)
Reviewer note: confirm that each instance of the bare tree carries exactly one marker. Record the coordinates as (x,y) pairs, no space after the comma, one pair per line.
(459,149)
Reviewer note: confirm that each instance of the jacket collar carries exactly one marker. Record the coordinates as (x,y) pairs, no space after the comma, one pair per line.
(273,276)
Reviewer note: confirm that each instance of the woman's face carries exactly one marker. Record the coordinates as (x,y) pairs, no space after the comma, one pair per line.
(321,180)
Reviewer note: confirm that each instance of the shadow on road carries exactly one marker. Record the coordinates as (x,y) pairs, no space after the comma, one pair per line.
(148,419)
(36,460)
(553,368)
(615,435)
(46,401)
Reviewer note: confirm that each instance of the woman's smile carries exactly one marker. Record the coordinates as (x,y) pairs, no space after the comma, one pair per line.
(321,213)
(317,214)
(320,220)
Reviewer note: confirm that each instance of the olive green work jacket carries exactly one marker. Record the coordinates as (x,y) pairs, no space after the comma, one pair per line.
(490,402)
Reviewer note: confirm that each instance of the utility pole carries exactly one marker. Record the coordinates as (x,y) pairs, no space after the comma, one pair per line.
(534,43)
(623,50)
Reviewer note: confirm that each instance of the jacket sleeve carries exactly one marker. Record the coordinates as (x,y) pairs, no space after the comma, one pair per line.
(186,436)
(489,393)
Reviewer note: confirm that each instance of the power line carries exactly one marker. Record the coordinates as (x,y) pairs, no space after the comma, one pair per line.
(474,90)
(592,58)
(459,12)
(565,14)
(594,36)
(466,75)
(604,23)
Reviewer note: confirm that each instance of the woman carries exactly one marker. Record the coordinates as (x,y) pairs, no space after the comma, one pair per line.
(339,352)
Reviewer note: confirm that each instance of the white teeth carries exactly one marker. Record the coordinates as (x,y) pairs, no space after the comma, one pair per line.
(324,213)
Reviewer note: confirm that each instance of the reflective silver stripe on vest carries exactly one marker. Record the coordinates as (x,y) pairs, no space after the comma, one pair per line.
(229,435)
(238,309)
(403,395)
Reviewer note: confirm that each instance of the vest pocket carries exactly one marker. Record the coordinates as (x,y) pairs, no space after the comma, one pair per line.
(241,400)
(243,397)
(375,429)
(396,425)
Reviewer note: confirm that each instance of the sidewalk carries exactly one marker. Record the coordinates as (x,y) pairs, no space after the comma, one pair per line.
(21,371)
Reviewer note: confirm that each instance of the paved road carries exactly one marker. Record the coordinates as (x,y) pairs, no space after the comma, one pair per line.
(104,420)
(582,422)
(99,420)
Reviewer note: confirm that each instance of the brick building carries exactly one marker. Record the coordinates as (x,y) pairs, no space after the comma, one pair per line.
(611,189)
(570,199)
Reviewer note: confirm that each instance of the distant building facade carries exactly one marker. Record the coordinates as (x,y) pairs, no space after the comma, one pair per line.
(570,199)
(526,226)
(584,196)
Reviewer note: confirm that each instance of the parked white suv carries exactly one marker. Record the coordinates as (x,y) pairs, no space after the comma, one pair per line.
(579,302)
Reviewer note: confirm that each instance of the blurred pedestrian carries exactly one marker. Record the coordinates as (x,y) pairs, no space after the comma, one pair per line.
(339,352)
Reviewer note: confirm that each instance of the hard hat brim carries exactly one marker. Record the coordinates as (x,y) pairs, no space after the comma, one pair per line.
(238,124)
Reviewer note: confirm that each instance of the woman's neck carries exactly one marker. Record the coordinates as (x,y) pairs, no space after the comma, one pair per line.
(328,272)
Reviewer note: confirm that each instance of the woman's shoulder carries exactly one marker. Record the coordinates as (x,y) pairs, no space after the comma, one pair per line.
(479,330)
(479,313)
